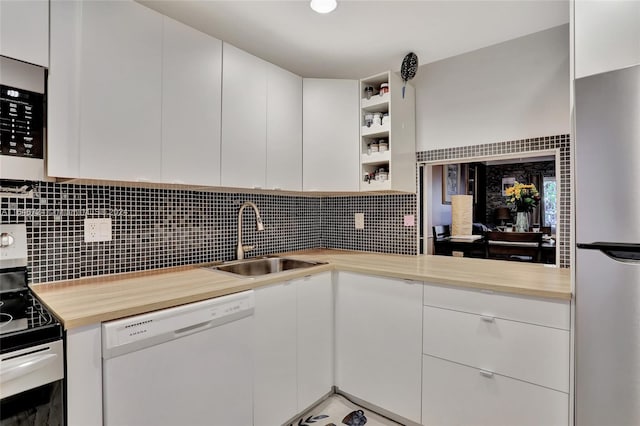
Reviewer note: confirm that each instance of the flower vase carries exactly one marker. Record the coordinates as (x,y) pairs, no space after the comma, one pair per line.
(522,221)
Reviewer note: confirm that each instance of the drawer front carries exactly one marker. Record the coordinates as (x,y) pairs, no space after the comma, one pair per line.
(549,312)
(528,352)
(453,394)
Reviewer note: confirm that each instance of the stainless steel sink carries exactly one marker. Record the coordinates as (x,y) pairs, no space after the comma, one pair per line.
(264,266)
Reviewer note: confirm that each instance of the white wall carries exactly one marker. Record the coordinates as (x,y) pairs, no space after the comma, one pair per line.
(513,90)
(440,213)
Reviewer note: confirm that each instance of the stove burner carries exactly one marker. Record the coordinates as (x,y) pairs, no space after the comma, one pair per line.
(5,317)
(14,325)
(23,320)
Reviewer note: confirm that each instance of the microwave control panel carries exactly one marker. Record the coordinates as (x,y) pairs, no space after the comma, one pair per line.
(21,122)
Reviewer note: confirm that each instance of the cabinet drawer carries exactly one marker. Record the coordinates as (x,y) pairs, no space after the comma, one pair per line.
(552,313)
(453,394)
(528,352)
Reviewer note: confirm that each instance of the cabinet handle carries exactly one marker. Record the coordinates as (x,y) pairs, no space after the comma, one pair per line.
(485,291)
(487,318)
(486,373)
(408,281)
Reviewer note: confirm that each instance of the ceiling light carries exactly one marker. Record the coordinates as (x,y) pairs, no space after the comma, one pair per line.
(323,6)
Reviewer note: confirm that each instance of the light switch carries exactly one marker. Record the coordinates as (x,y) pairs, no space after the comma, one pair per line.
(359,220)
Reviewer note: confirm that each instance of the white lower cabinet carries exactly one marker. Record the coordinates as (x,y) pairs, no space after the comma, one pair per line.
(274,393)
(293,347)
(83,358)
(315,338)
(378,341)
(494,359)
(455,394)
(463,357)
(515,349)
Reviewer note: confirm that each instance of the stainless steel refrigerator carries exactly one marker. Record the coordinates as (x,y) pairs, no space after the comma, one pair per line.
(607,112)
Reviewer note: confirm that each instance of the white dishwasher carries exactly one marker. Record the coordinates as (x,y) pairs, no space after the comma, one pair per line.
(188,365)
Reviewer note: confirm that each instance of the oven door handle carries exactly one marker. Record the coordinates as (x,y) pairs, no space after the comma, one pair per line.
(20,366)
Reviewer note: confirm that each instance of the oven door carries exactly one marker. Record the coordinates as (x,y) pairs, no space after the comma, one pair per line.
(32,385)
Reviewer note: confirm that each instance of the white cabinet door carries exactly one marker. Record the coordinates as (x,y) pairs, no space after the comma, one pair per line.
(528,352)
(84,376)
(331,133)
(120,91)
(454,394)
(63,91)
(315,338)
(244,119)
(284,130)
(24,30)
(275,355)
(191,105)
(607,35)
(379,341)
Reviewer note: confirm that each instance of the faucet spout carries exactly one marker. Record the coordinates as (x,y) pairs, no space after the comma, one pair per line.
(241,249)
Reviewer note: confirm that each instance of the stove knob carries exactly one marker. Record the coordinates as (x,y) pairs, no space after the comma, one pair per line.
(6,239)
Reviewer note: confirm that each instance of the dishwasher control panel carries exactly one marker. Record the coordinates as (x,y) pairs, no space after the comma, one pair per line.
(134,333)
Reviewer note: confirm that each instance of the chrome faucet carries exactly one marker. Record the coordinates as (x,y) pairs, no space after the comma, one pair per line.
(240,251)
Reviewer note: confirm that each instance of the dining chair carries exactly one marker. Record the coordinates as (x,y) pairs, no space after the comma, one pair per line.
(441,234)
(518,246)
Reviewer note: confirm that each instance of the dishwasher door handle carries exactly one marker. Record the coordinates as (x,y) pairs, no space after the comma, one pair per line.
(192,328)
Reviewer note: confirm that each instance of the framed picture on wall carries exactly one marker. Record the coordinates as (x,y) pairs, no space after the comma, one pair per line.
(507,182)
(450,182)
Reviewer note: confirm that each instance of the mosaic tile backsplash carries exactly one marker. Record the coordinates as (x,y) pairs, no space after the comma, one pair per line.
(559,142)
(384,229)
(156,228)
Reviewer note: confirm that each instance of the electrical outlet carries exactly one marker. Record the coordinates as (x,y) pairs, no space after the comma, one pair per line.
(97,230)
(359,220)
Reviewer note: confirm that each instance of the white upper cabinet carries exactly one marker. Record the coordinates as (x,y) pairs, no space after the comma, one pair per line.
(24,31)
(244,119)
(63,91)
(142,103)
(191,103)
(607,35)
(331,155)
(284,130)
(261,123)
(120,91)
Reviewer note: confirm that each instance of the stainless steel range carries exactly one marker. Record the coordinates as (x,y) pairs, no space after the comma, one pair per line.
(31,345)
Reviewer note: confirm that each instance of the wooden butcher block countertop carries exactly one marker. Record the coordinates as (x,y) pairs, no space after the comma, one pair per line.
(92,300)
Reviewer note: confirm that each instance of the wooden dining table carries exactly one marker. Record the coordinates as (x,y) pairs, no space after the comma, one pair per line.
(509,244)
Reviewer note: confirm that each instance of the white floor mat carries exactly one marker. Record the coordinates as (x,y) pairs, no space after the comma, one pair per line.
(338,411)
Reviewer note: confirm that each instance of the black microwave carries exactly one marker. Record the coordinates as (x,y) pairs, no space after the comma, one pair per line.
(21,122)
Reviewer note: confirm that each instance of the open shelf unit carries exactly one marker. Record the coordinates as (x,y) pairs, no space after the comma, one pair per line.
(397,130)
